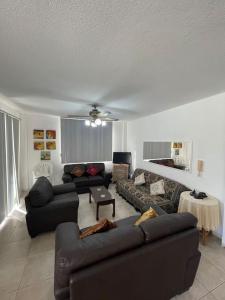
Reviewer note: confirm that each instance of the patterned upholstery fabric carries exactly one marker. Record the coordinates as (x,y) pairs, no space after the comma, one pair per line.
(140,198)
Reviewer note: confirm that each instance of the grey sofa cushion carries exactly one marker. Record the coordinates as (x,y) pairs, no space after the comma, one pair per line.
(41,192)
(73,253)
(165,225)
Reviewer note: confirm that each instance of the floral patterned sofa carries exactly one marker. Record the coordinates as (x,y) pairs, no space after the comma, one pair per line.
(140,198)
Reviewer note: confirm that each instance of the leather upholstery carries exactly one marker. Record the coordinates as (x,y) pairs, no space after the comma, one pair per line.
(166,225)
(63,207)
(41,193)
(119,264)
(84,182)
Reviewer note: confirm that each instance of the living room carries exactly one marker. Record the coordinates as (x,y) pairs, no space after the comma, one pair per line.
(112,121)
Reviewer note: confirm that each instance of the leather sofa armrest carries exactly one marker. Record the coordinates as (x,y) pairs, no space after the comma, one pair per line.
(67,178)
(107,178)
(64,188)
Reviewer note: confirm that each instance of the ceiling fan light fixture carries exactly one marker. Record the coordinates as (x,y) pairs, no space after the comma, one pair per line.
(88,123)
(104,123)
(93,124)
(98,122)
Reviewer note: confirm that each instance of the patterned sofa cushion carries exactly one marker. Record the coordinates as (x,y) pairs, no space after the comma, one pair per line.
(140,196)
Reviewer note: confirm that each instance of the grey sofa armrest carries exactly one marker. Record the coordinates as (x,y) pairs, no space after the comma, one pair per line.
(64,188)
(67,178)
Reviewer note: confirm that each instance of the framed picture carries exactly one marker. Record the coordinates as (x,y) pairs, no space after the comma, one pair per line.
(38,134)
(51,145)
(45,155)
(39,146)
(50,134)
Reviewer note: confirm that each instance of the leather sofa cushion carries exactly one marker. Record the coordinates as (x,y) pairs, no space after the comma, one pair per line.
(64,199)
(81,181)
(96,180)
(41,193)
(165,225)
(64,188)
(127,221)
(73,253)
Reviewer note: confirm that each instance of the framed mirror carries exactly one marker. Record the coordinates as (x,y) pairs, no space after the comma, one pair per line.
(173,154)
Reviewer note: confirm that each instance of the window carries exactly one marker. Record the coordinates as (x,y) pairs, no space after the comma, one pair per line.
(9,163)
(80,143)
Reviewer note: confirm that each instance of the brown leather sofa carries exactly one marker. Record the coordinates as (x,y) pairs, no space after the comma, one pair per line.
(155,260)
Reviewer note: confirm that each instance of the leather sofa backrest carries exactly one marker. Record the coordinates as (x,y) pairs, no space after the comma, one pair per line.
(99,166)
(79,253)
(166,225)
(68,168)
(41,193)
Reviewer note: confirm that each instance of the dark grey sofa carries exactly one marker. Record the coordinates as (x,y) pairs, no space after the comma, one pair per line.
(155,260)
(140,198)
(84,182)
(47,206)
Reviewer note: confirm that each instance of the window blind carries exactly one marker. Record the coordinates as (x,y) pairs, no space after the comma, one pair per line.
(156,150)
(80,143)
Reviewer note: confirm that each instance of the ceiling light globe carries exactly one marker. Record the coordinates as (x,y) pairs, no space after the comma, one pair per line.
(87,122)
(103,123)
(93,124)
(98,122)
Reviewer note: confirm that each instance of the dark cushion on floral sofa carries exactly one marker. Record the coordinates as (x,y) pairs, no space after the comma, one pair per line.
(140,198)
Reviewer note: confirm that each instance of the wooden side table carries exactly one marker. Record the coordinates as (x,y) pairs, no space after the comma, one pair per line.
(207,211)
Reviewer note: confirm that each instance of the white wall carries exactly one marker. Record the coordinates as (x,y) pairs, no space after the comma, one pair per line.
(203,123)
(31,157)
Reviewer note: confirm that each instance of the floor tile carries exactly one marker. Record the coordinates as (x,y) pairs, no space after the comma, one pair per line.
(41,291)
(42,243)
(219,293)
(38,267)
(7,296)
(14,250)
(11,274)
(208,297)
(209,275)
(195,292)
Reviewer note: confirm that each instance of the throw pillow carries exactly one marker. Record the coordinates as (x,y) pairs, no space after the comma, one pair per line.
(92,170)
(157,188)
(149,214)
(103,225)
(140,179)
(78,171)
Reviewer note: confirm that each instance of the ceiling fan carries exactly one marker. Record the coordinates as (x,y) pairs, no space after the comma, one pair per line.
(95,117)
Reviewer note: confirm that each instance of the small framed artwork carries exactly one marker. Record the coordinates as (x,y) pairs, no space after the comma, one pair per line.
(38,134)
(50,134)
(45,155)
(51,145)
(39,146)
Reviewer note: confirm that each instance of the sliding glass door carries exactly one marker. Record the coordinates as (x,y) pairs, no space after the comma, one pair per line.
(9,163)
(3,186)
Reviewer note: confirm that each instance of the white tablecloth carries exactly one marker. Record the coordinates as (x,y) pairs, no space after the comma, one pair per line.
(207,211)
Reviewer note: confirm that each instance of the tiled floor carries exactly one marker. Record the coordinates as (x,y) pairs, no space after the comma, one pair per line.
(26,266)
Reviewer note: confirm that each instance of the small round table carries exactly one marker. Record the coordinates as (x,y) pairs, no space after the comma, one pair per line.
(206,210)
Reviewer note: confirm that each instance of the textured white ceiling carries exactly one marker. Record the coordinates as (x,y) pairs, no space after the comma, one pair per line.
(133,57)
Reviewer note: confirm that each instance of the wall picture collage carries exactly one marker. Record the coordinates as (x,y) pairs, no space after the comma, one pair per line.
(44,141)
